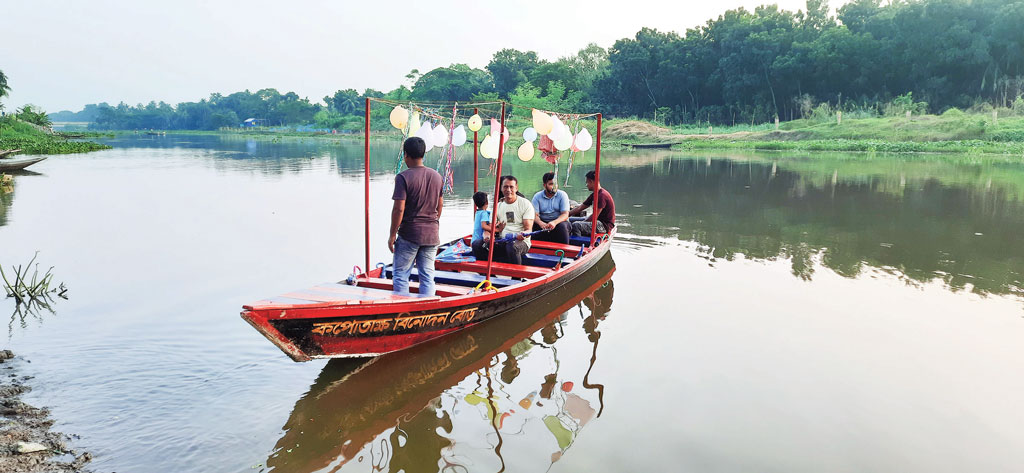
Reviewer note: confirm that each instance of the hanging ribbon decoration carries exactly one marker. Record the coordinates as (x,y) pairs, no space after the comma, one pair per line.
(449,174)
(572,154)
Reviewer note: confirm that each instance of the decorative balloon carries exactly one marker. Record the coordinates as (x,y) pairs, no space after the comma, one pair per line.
(475,123)
(427,134)
(563,142)
(489,147)
(542,122)
(399,117)
(440,135)
(526,151)
(583,140)
(414,125)
(530,135)
(459,136)
(557,128)
(494,130)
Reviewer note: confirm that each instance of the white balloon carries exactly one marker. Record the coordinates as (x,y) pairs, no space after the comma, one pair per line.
(489,147)
(563,142)
(427,134)
(559,131)
(459,136)
(440,135)
(584,140)
(530,135)
(556,125)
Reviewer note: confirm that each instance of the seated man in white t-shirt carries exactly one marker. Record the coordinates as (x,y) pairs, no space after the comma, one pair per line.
(516,214)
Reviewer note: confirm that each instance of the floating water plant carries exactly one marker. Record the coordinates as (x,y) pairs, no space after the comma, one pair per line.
(27,287)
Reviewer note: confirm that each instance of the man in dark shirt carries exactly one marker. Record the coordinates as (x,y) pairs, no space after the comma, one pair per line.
(414,220)
(605,209)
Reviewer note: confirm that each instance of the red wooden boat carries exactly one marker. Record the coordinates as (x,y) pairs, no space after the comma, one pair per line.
(361,316)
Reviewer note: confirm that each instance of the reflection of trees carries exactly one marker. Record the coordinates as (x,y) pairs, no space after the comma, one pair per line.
(916,227)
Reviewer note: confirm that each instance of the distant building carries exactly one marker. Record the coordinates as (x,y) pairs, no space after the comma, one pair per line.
(251,122)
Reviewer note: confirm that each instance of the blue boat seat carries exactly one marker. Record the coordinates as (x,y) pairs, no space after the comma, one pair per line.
(544,261)
(456,278)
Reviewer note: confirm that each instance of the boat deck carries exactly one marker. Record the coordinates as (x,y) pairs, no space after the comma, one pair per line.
(450,280)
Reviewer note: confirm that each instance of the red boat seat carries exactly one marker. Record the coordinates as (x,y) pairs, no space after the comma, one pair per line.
(457,279)
(498,269)
(549,248)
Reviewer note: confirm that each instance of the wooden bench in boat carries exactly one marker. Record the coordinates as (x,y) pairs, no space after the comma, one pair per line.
(456,278)
(443,290)
(549,248)
(498,269)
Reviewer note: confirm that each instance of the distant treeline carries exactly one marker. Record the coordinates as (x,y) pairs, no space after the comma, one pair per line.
(926,55)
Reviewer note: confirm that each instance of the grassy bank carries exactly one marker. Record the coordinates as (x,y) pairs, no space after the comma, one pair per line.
(15,134)
(951,132)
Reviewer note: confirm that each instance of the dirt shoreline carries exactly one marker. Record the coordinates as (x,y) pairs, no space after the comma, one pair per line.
(27,445)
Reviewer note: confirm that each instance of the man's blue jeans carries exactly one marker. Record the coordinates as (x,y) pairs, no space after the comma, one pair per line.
(406,253)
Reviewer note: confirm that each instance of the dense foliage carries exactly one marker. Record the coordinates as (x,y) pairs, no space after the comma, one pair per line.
(17,134)
(743,67)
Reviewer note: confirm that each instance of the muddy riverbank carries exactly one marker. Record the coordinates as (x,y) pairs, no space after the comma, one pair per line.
(27,445)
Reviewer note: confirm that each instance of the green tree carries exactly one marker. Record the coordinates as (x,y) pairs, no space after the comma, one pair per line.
(4,88)
(33,114)
(511,67)
(452,83)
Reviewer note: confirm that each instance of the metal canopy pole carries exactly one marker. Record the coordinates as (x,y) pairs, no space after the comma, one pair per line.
(597,185)
(497,188)
(476,167)
(366,186)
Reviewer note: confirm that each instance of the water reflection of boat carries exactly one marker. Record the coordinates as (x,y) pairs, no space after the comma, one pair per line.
(353,402)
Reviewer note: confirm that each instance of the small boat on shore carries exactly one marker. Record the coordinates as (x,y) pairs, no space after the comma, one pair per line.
(9,164)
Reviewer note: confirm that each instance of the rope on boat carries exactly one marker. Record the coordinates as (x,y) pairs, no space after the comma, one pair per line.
(481,287)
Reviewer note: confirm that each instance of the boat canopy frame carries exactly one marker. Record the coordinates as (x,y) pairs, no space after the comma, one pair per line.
(477,106)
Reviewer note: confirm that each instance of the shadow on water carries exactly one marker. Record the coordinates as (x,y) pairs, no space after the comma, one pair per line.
(412,409)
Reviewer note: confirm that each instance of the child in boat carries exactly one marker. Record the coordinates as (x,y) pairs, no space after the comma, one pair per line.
(480,216)
(482,225)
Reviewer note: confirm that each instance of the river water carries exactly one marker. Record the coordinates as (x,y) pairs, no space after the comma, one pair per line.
(759,312)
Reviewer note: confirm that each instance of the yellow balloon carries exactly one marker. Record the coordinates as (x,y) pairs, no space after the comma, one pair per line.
(475,123)
(542,122)
(399,117)
(489,147)
(414,124)
(526,151)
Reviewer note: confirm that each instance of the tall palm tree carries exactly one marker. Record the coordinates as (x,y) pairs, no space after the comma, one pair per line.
(4,88)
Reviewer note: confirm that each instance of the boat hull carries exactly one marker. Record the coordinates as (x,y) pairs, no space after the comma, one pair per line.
(370,328)
(17,164)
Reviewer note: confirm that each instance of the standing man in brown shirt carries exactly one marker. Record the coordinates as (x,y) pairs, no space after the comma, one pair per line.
(414,233)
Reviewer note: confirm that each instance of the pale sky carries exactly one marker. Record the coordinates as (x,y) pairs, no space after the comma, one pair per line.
(61,55)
